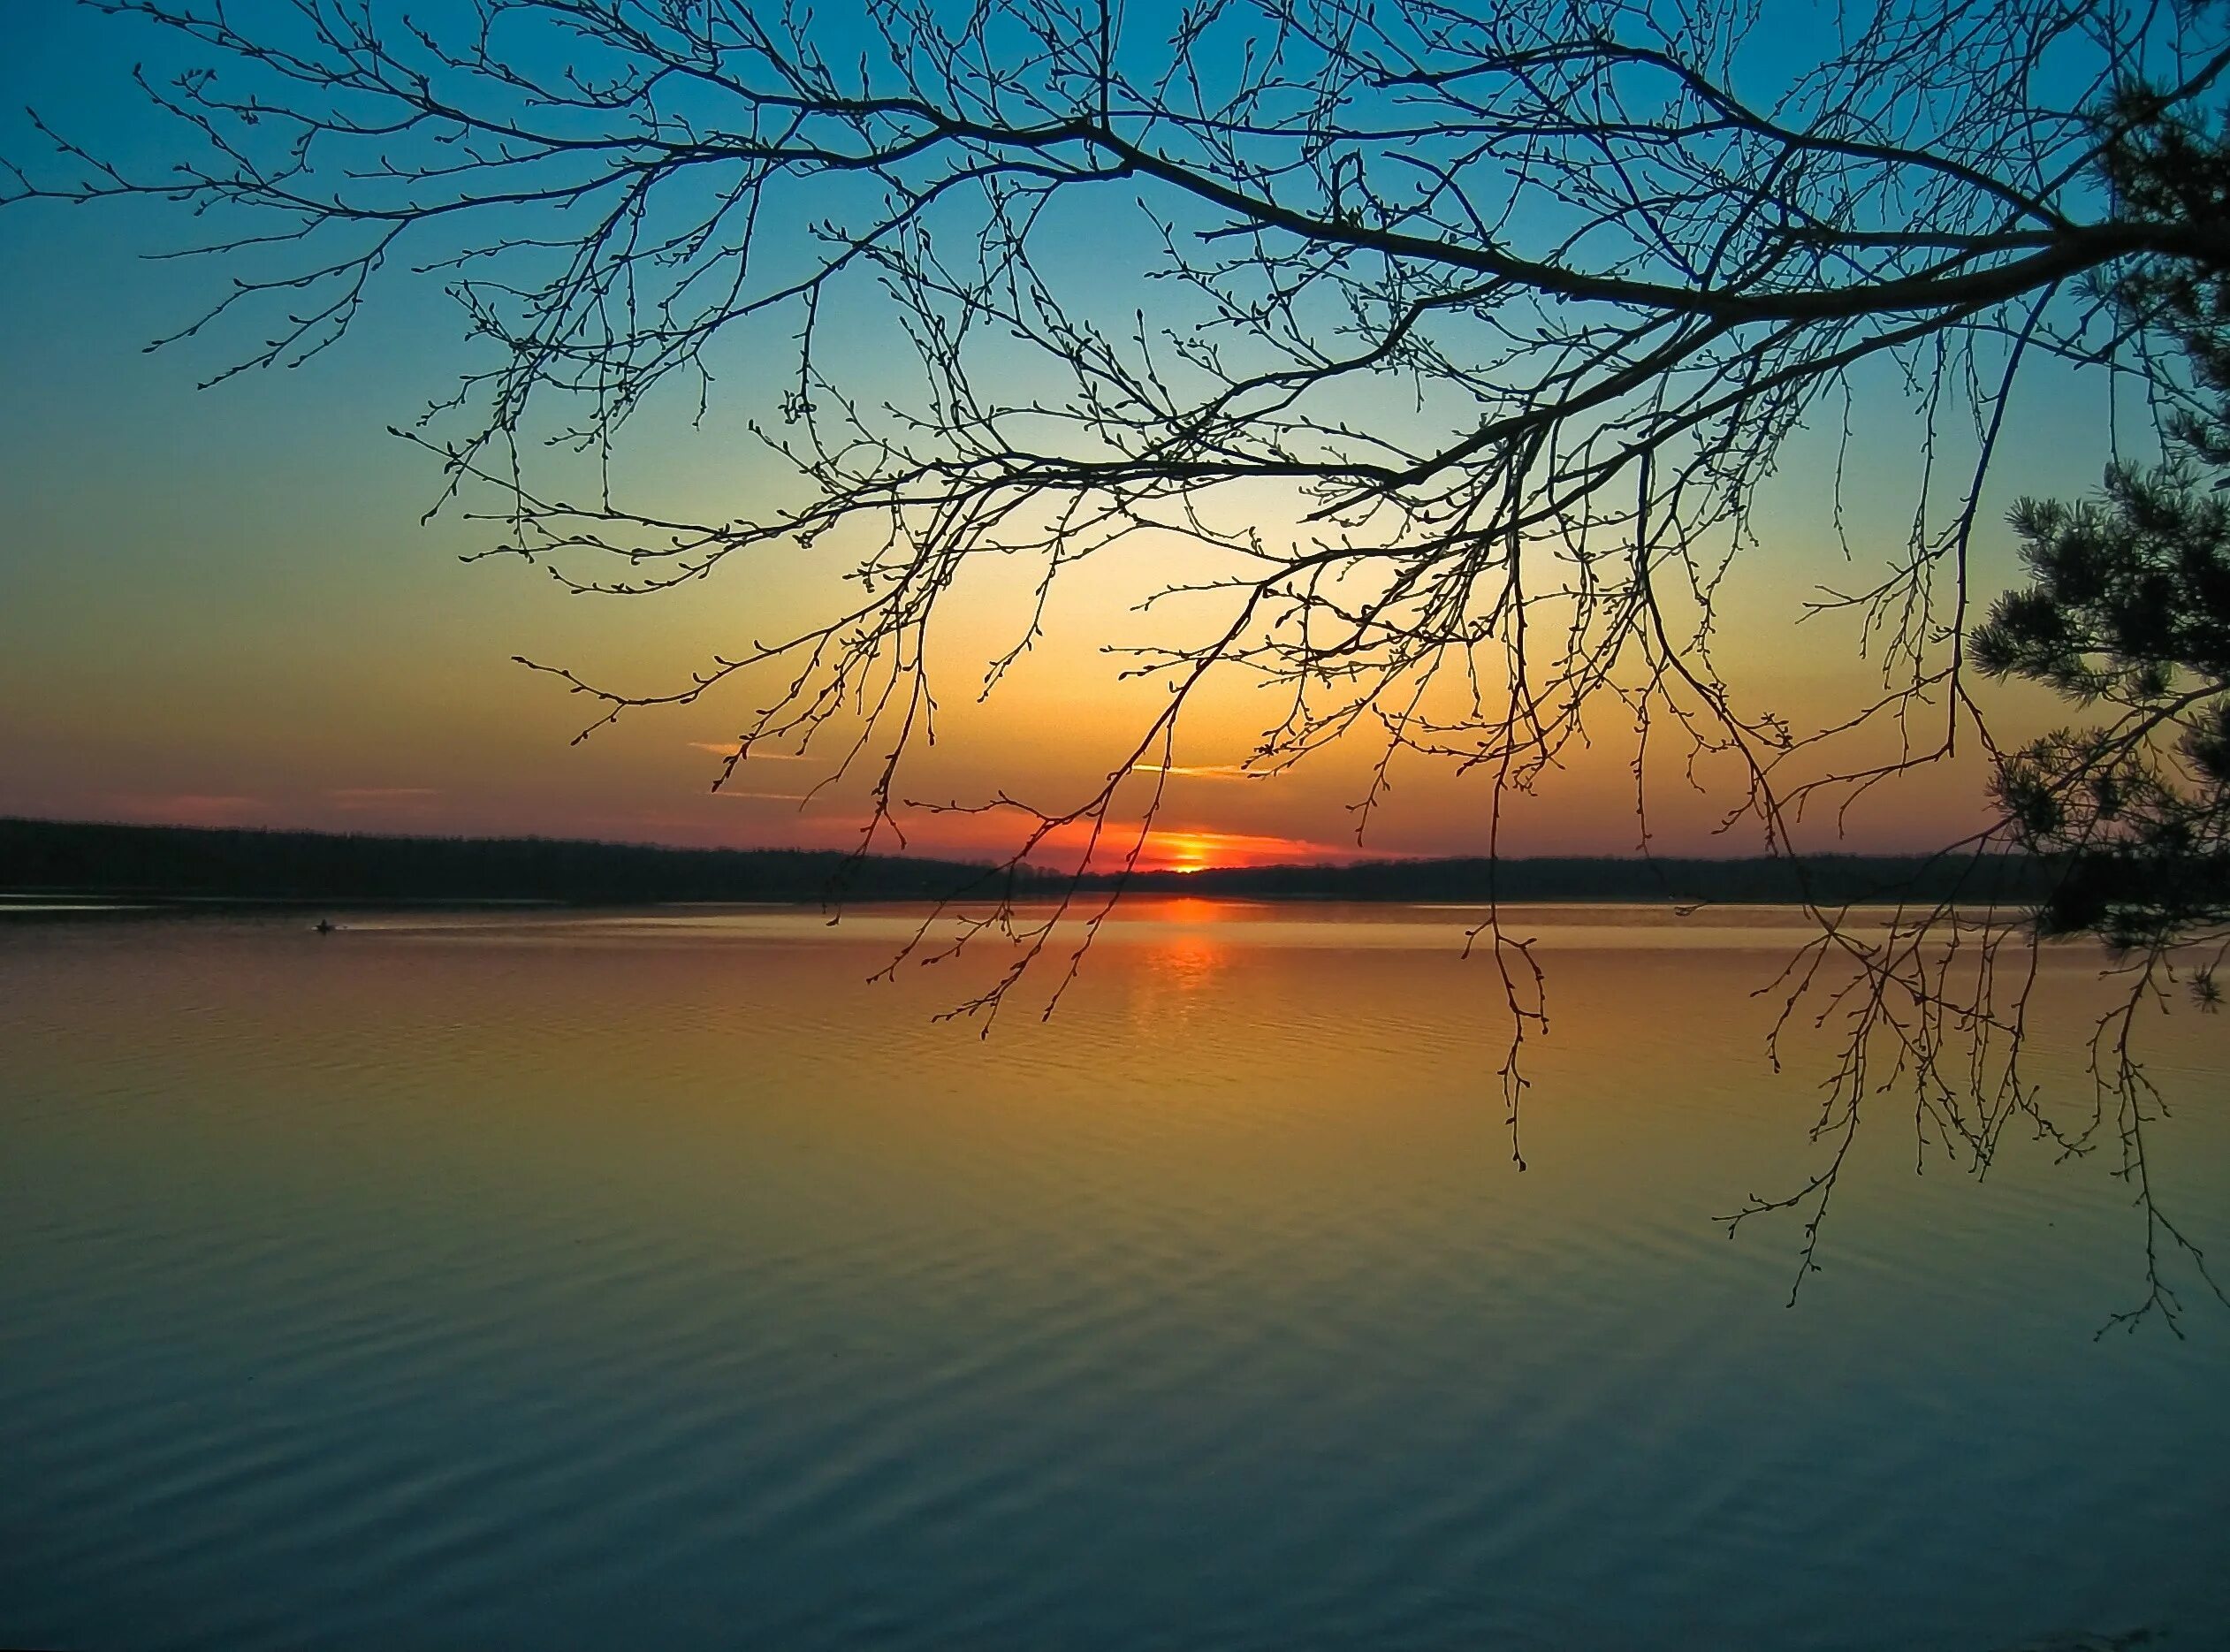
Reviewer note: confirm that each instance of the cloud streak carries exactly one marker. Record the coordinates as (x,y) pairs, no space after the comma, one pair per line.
(726,749)
(1204,771)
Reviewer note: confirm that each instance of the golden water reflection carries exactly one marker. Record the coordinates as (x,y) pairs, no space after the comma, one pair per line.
(656,1278)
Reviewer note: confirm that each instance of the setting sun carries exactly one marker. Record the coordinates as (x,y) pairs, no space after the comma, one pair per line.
(1187,851)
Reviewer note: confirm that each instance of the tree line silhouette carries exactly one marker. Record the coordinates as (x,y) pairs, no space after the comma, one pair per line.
(193,863)
(244,865)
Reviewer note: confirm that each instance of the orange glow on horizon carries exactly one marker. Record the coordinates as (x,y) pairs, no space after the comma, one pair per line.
(1192,850)
(1185,851)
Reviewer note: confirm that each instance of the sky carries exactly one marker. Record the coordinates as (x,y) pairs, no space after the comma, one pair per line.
(222,607)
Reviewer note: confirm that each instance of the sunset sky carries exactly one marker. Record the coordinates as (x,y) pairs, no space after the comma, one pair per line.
(221,606)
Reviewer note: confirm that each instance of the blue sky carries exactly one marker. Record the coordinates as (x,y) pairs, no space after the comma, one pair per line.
(222,605)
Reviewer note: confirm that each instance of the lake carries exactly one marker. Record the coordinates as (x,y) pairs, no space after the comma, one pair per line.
(533,1279)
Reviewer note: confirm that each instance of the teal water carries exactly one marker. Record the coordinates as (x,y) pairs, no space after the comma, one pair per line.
(494,1281)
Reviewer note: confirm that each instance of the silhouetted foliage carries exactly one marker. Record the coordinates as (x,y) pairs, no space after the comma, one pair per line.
(2129,611)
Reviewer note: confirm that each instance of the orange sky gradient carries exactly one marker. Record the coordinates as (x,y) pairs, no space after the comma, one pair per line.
(223,608)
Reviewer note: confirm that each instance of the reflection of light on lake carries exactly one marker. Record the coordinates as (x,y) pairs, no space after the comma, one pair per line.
(666,1274)
(1187,947)
(1189,909)
(1186,961)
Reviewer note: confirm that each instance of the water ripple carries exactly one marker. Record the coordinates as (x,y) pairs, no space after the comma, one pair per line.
(469,1282)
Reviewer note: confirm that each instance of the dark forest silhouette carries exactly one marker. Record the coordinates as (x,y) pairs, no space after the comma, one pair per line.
(201,864)
(167,863)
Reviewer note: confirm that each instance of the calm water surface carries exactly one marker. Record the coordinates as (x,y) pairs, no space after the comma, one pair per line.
(526,1282)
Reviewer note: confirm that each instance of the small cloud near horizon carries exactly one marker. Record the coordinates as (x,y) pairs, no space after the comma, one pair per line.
(1206,770)
(726,749)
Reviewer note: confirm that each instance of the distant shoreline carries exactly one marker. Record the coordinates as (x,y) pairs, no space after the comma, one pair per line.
(62,869)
